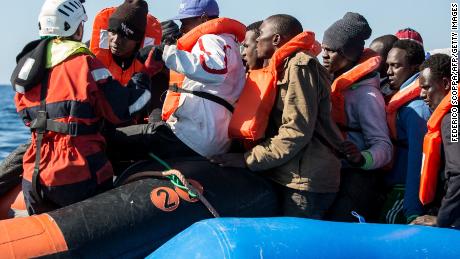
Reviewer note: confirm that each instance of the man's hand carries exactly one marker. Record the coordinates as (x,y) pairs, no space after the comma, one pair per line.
(229,160)
(352,154)
(425,220)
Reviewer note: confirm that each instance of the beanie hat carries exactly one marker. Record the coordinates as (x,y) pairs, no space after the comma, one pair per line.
(409,34)
(130,19)
(170,31)
(347,35)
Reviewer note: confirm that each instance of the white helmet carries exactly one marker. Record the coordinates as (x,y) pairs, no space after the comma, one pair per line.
(61,17)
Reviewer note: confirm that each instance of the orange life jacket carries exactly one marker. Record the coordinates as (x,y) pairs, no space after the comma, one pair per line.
(214,26)
(99,44)
(251,115)
(172,98)
(402,97)
(431,162)
(368,63)
(186,43)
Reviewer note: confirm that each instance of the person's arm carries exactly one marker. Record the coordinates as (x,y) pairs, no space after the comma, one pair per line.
(414,119)
(449,212)
(298,120)
(207,63)
(372,119)
(110,99)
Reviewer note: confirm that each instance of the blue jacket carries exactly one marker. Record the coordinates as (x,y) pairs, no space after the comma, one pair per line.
(411,129)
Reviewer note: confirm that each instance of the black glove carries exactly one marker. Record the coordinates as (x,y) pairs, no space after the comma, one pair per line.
(157,54)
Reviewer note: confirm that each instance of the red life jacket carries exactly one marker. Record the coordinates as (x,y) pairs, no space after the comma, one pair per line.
(431,162)
(402,97)
(99,44)
(368,63)
(64,156)
(251,115)
(186,43)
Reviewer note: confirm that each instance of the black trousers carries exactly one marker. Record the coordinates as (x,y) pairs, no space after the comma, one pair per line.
(136,142)
(360,191)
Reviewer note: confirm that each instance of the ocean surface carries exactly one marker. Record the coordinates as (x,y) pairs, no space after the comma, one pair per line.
(12,130)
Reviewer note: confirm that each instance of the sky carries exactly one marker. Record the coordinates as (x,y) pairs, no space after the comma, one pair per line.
(19,18)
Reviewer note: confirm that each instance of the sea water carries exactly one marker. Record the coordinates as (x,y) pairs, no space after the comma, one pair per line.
(13,132)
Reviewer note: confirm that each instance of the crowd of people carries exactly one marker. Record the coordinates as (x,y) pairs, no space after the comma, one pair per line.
(367,130)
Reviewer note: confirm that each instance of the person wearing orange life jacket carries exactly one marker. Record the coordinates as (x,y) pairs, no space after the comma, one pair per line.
(119,33)
(298,151)
(407,115)
(251,63)
(250,117)
(208,56)
(358,109)
(63,93)
(441,152)
(249,47)
(121,38)
(211,65)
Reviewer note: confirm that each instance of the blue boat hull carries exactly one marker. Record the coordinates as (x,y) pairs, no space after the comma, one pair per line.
(304,238)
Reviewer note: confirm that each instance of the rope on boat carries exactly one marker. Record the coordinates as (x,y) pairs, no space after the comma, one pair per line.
(178,179)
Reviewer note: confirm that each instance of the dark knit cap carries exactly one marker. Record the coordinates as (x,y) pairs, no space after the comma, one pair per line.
(347,35)
(130,19)
(170,31)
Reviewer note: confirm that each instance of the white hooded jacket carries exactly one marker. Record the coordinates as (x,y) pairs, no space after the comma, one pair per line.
(214,66)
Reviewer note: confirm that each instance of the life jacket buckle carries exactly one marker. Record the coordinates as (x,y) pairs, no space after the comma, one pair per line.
(174,88)
(39,124)
(73,129)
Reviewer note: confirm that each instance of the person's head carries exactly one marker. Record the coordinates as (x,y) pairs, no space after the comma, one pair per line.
(435,79)
(249,47)
(170,31)
(343,43)
(63,19)
(409,34)
(127,28)
(403,62)
(382,46)
(275,31)
(195,12)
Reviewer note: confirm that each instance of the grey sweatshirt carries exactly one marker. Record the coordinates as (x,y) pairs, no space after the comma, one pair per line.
(365,109)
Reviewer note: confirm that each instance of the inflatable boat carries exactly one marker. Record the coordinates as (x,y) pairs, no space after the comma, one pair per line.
(138,218)
(134,219)
(305,238)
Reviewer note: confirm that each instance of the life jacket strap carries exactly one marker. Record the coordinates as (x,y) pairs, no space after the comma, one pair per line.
(41,124)
(208,96)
